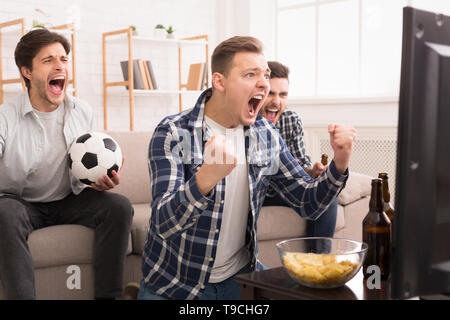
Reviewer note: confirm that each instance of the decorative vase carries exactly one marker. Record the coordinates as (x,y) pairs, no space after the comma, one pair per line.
(170,36)
(159,33)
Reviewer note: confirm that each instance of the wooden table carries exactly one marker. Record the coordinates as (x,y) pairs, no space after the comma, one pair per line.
(276,284)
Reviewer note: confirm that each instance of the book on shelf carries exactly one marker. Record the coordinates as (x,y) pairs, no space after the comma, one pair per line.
(204,84)
(137,78)
(143,74)
(147,76)
(197,74)
(152,74)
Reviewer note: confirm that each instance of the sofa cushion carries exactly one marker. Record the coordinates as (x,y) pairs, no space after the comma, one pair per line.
(51,283)
(358,186)
(62,245)
(134,178)
(340,219)
(354,216)
(280,222)
(139,227)
(268,253)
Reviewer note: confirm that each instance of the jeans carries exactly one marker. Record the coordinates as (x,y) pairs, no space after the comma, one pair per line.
(322,227)
(109,214)
(225,290)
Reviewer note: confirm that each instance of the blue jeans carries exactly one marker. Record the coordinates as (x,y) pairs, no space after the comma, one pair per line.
(225,290)
(322,227)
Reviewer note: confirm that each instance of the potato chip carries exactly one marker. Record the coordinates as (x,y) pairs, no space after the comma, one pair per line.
(318,269)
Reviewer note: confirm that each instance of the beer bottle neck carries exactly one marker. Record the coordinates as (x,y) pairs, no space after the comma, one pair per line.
(376,198)
(386,193)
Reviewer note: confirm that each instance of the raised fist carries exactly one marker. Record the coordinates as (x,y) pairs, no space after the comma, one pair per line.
(341,140)
(219,160)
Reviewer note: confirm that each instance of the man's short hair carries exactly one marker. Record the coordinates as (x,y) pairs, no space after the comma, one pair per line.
(31,43)
(222,57)
(278,70)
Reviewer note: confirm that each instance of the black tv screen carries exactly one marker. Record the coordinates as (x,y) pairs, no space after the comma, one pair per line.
(421,229)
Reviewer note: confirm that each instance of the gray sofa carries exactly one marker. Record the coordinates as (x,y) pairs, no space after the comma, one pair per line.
(56,248)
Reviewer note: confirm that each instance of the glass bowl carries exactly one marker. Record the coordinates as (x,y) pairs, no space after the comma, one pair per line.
(321,262)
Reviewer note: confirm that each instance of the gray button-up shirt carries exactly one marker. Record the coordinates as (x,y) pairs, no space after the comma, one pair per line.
(21,138)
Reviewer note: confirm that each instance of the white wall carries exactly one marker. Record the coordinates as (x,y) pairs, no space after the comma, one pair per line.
(379,111)
(248,17)
(219,19)
(188,17)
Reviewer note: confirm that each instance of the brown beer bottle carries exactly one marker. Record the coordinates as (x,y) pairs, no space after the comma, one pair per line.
(377,233)
(387,208)
(324,159)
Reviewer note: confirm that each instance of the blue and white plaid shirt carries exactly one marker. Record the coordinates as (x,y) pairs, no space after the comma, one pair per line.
(184,226)
(290,128)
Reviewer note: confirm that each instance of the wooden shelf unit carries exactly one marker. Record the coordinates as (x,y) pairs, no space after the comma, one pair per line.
(22,23)
(198,40)
(3,25)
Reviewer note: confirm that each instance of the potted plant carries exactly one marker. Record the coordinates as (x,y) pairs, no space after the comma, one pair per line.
(159,31)
(133,30)
(37,25)
(170,32)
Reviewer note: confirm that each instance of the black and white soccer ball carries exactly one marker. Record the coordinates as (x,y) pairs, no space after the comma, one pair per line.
(93,155)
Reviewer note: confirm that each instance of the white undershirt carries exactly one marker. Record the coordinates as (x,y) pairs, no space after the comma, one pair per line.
(232,254)
(50,179)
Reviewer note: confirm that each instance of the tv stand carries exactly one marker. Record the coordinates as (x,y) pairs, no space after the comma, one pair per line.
(276,284)
(444,296)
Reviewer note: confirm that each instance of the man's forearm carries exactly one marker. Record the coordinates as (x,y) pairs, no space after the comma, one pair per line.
(308,170)
(341,164)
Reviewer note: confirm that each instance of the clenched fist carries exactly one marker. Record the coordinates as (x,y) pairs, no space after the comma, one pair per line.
(341,140)
(219,160)
(317,169)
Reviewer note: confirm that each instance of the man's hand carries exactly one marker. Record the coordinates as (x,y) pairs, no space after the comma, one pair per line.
(106,183)
(317,170)
(219,160)
(341,140)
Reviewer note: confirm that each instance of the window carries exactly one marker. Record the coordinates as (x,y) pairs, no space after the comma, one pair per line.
(341,47)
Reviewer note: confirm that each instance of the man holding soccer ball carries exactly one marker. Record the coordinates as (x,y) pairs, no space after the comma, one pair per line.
(36,189)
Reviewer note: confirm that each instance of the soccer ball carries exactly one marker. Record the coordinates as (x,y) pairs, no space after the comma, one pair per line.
(93,155)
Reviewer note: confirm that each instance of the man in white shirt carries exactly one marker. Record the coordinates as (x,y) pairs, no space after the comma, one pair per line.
(36,191)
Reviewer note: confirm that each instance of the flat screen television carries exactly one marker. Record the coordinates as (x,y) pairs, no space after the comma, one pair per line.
(421,229)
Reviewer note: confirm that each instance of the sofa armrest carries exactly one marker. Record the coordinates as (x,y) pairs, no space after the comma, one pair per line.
(358,186)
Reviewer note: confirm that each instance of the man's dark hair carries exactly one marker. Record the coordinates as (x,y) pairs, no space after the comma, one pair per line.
(31,43)
(223,55)
(278,70)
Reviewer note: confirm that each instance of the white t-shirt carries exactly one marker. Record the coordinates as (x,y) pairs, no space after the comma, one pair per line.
(232,254)
(53,171)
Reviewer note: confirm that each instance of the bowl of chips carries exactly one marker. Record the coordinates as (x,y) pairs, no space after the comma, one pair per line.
(320,262)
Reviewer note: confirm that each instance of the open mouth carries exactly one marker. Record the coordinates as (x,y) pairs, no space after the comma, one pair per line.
(271,114)
(56,85)
(253,104)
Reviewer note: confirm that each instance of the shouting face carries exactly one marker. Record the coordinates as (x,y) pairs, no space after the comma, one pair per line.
(48,77)
(244,88)
(275,103)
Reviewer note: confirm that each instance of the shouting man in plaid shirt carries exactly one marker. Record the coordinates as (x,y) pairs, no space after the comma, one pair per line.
(290,128)
(210,168)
